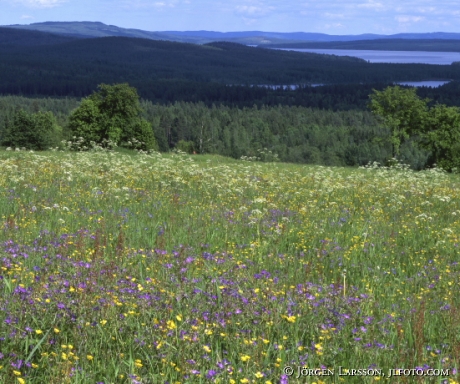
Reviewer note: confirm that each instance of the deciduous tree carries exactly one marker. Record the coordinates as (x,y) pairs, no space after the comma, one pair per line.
(113,113)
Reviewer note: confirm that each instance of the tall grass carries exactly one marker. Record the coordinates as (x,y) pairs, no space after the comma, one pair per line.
(119,268)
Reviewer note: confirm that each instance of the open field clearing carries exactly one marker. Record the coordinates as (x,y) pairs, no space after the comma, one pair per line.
(118,268)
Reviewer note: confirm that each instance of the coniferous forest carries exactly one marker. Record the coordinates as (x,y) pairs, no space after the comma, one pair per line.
(209,99)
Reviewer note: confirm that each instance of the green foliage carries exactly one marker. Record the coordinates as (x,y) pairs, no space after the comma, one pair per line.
(437,128)
(112,114)
(186,146)
(37,131)
(295,134)
(441,136)
(85,121)
(401,110)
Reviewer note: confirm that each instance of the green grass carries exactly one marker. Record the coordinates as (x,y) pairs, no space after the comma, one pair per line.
(124,268)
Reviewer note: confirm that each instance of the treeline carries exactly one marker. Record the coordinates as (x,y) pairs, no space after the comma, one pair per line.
(339,97)
(295,134)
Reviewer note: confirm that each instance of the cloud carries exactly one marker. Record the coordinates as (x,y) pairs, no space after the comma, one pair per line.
(25,17)
(371,4)
(253,11)
(248,21)
(41,3)
(409,19)
(143,4)
(430,10)
(334,25)
(334,15)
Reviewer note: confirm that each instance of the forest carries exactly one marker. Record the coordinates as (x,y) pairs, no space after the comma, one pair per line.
(208,99)
(295,134)
(76,67)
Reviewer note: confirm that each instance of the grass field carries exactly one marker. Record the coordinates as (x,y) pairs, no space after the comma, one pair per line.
(127,268)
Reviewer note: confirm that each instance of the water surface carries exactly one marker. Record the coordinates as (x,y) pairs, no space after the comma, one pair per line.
(398,57)
(425,83)
(431,84)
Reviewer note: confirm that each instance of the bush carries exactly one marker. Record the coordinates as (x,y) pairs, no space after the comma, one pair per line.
(112,114)
(186,146)
(37,131)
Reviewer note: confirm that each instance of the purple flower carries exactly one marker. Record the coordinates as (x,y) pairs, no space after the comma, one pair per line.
(211,373)
(284,379)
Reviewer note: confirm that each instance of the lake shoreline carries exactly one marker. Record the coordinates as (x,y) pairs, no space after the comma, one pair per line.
(389,57)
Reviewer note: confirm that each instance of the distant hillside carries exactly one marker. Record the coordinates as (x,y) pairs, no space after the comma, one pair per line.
(311,37)
(19,37)
(97,29)
(432,45)
(77,66)
(89,29)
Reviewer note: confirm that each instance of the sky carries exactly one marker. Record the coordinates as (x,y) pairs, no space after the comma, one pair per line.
(334,17)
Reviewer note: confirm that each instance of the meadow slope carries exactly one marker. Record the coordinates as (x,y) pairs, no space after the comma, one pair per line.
(119,268)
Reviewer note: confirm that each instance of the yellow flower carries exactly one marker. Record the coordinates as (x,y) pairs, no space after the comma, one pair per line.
(103,322)
(171,324)
(56,330)
(245,358)
(206,348)
(259,375)
(38,331)
(89,357)
(179,318)
(138,363)
(17,373)
(244,381)
(21,380)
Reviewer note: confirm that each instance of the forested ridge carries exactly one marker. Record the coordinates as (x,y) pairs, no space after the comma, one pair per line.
(204,99)
(76,67)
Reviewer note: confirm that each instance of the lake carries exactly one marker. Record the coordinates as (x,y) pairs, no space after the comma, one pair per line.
(401,57)
(431,84)
(426,83)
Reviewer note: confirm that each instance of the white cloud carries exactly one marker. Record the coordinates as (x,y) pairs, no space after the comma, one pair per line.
(248,21)
(252,11)
(334,15)
(41,3)
(372,5)
(334,25)
(409,19)
(248,9)
(25,17)
(430,10)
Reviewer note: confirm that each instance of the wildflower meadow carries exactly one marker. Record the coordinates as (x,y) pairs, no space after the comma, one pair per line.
(172,268)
